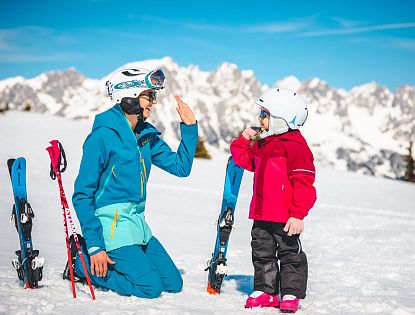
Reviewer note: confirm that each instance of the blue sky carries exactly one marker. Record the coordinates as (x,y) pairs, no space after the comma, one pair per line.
(345,43)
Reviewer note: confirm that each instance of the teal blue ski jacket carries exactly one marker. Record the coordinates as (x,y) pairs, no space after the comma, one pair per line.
(110,190)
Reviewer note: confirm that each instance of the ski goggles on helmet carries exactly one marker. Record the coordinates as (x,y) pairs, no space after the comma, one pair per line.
(263,113)
(155,79)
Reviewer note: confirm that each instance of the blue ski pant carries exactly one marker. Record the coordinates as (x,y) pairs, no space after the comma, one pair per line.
(140,270)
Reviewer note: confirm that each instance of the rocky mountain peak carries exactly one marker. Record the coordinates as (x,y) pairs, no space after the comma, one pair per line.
(366,129)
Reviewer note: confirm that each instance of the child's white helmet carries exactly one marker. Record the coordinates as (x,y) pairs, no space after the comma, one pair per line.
(286,105)
(131,82)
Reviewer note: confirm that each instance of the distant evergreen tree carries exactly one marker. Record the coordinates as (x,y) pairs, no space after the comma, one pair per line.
(27,106)
(4,109)
(410,165)
(201,151)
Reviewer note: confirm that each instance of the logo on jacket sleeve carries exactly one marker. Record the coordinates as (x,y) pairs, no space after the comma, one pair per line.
(144,141)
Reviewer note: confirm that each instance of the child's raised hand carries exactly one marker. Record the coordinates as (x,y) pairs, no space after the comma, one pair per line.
(249,133)
(294,226)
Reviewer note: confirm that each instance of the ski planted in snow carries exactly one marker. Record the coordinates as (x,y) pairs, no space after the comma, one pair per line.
(217,265)
(28,264)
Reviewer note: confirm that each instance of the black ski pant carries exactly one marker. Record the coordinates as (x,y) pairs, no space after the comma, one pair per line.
(271,244)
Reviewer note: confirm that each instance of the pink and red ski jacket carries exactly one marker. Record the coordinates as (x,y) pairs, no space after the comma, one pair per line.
(284,174)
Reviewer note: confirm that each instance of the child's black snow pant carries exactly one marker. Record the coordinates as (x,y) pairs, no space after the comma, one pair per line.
(271,244)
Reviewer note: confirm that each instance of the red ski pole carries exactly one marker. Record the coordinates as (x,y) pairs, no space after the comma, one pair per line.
(56,154)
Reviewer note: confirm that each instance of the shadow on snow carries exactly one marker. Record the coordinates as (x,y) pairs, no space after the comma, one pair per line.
(244,283)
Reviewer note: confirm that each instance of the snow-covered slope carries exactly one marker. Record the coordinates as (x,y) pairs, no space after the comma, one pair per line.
(366,129)
(359,237)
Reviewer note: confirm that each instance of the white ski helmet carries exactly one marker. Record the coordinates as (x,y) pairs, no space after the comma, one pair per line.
(287,109)
(131,82)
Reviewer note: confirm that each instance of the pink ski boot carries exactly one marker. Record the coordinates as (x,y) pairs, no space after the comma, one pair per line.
(262,299)
(289,304)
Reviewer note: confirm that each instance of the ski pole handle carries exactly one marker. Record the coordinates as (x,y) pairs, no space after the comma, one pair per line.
(57,158)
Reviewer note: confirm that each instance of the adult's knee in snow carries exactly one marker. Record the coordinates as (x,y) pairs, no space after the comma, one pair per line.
(176,285)
(152,290)
(148,286)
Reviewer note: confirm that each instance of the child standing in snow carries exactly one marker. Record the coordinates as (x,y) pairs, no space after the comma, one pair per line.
(283,193)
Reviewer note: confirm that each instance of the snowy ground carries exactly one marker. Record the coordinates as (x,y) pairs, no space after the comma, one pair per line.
(359,237)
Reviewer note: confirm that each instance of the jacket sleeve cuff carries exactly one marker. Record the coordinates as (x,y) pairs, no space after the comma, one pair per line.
(189,129)
(94,250)
(296,214)
(244,140)
(95,246)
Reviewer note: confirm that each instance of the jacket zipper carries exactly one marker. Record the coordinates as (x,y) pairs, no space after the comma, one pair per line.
(143,178)
(144,231)
(142,184)
(141,158)
(144,167)
(106,182)
(114,224)
(283,190)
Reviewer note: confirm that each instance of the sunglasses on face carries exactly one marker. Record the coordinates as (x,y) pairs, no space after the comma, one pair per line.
(152,96)
(263,114)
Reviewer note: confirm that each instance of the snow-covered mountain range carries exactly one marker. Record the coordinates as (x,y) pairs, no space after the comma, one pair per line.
(366,129)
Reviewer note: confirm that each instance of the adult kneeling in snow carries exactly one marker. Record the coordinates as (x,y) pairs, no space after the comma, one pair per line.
(110,190)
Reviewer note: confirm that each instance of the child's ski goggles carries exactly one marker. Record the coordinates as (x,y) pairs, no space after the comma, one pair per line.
(263,113)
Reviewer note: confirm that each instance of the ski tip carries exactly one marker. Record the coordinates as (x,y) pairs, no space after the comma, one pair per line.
(211,290)
(10,165)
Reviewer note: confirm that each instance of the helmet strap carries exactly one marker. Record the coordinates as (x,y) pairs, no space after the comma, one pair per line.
(140,120)
(131,106)
(275,127)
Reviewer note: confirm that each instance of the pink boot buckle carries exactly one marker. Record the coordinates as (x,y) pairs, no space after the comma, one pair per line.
(262,299)
(289,305)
